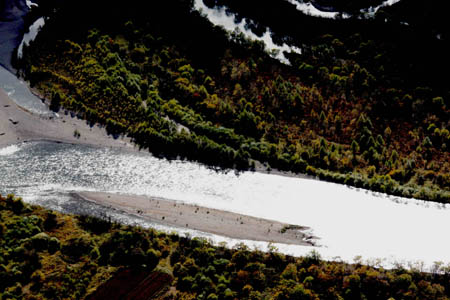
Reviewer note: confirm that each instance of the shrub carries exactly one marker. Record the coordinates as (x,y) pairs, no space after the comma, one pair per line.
(77,247)
(53,245)
(95,253)
(290,272)
(299,292)
(50,221)
(212,296)
(137,257)
(186,283)
(152,258)
(2,230)
(94,224)
(37,279)
(229,294)
(40,241)
(15,204)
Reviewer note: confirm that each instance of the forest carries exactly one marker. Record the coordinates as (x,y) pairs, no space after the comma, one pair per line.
(49,255)
(359,106)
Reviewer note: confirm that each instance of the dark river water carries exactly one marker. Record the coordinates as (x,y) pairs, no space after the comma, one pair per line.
(12,28)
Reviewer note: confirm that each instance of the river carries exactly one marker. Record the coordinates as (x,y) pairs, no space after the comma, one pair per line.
(18,91)
(349,222)
(220,16)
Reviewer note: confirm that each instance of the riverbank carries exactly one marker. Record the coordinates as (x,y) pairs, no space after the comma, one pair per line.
(219,222)
(20,125)
(17,125)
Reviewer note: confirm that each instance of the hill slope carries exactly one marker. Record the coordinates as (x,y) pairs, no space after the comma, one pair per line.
(343,110)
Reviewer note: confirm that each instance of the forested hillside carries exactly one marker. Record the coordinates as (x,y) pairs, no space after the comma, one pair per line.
(346,109)
(48,255)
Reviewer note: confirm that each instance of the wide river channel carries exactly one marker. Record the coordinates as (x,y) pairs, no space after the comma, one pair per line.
(348,222)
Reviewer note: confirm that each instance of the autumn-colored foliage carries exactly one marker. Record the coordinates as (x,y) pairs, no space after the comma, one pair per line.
(39,262)
(333,113)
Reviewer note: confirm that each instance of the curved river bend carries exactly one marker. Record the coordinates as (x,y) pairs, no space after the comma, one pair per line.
(349,222)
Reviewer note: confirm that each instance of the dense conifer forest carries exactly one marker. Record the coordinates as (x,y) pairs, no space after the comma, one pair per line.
(356,107)
(49,255)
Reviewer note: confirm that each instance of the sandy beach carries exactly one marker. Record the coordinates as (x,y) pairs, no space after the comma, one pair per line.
(19,125)
(179,214)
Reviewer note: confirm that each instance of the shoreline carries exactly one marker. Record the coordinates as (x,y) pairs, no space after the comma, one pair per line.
(18,125)
(187,216)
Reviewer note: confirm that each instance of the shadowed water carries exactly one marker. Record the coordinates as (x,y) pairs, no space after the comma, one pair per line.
(219,17)
(12,26)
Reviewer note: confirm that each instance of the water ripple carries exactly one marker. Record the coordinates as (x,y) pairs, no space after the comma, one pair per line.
(349,221)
